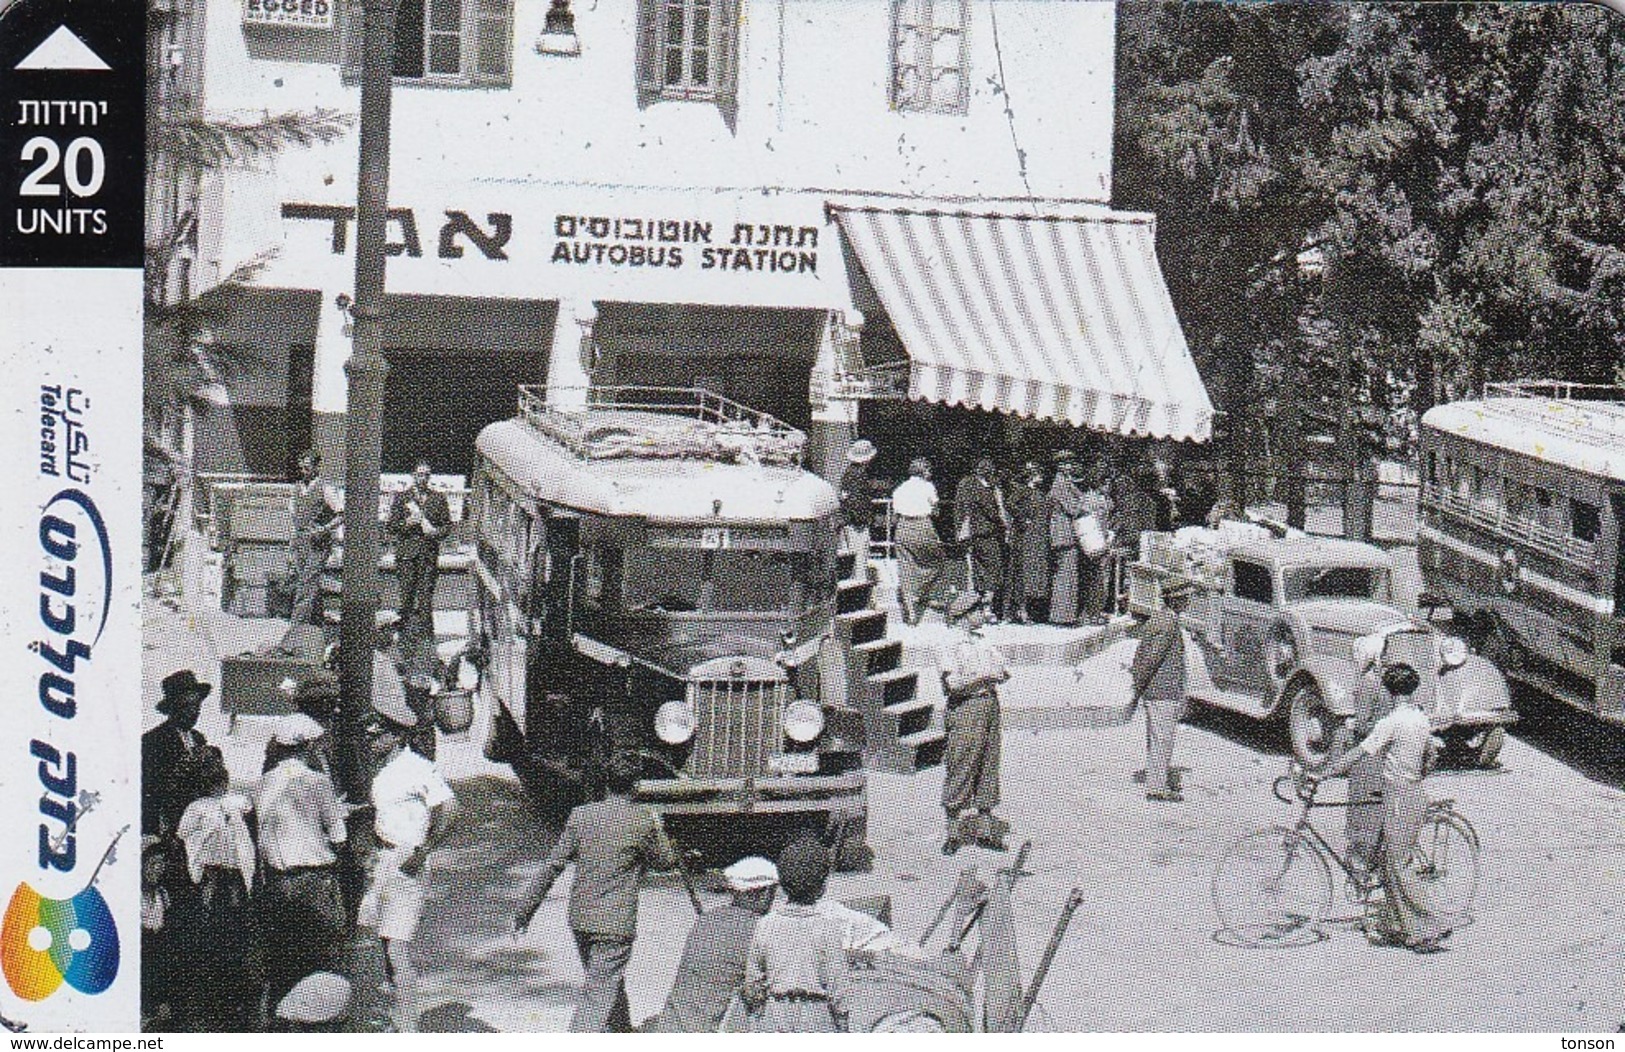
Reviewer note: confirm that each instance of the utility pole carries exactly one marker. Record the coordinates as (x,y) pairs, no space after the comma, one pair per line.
(364,410)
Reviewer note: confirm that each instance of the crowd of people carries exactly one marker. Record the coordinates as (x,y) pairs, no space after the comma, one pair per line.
(246,913)
(245,919)
(1041,545)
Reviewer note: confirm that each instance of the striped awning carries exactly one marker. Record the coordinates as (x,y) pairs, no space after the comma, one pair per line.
(1050,317)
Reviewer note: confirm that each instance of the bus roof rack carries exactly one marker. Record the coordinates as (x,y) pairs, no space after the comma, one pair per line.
(615,422)
(1555,390)
(1589,413)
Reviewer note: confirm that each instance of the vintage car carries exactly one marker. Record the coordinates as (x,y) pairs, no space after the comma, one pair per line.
(1274,621)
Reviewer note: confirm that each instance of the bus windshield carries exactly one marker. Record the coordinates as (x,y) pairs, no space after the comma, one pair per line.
(686,580)
(1336,582)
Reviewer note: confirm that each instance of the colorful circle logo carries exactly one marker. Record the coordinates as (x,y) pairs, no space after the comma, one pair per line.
(47,942)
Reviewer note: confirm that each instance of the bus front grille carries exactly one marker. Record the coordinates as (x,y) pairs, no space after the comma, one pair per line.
(739,727)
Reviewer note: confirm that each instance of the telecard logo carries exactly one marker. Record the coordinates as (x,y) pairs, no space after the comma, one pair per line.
(47,942)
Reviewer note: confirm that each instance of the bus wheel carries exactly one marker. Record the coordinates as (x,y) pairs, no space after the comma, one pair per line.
(1478,746)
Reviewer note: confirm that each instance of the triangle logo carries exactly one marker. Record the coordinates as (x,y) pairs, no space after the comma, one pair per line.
(63,50)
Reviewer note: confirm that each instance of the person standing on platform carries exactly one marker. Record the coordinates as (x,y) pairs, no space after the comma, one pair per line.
(612,842)
(857,513)
(1159,685)
(418,518)
(302,828)
(970,682)
(316,508)
(1066,507)
(1026,590)
(165,750)
(711,971)
(1133,513)
(1092,564)
(415,809)
(914,535)
(982,523)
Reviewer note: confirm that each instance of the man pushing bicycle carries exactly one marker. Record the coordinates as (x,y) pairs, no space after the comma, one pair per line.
(1410,915)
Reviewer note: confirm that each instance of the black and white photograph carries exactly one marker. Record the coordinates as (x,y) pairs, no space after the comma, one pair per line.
(783,516)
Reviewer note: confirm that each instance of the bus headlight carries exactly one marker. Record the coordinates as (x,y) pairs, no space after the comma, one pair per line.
(803,721)
(1452,653)
(674,722)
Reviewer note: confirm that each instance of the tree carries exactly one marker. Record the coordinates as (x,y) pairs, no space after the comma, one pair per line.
(1427,194)
(183,368)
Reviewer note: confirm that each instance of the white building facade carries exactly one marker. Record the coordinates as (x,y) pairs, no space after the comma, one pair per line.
(764,197)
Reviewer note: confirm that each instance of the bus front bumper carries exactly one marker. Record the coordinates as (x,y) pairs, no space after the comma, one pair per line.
(773,794)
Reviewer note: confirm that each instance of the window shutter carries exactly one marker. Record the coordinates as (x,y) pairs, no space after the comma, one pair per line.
(906,50)
(727,55)
(350,24)
(651,16)
(490,46)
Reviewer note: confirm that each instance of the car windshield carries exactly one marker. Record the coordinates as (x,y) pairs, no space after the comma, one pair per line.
(687,580)
(1336,582)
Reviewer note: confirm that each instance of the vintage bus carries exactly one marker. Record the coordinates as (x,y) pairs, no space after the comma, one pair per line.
(1522,533)
(657,574)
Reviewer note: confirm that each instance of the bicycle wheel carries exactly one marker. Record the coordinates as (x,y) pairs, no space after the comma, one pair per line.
(1272,886)
(1446,862)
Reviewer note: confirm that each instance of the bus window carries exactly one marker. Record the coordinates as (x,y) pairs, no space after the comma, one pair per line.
(1486,492)
(1433,468)
(1518,501)
(1253,582)
(1548,513)
(1586,524)
(1460,479)
(689,580)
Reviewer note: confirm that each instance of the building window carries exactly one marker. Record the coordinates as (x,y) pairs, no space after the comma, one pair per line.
(451,42)
(929,56)
(688,50)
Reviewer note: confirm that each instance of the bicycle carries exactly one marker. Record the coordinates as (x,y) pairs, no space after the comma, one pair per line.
(1274,885)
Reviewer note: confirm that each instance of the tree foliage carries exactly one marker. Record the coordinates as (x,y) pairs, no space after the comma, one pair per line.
(1426,195)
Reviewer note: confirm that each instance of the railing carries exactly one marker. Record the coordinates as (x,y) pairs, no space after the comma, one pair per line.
(1553,542)
(1589,410)
(718,428)
(1557,390)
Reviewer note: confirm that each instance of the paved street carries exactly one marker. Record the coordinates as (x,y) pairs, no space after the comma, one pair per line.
(1142,953)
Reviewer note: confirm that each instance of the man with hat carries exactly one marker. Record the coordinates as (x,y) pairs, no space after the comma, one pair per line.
(302,827)
(712,968)
(1159,684)
(970,682)
(856,511)
(414,809)
(165,750)
(612,842)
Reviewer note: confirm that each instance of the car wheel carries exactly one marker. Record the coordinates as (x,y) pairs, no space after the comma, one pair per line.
(1312,726)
